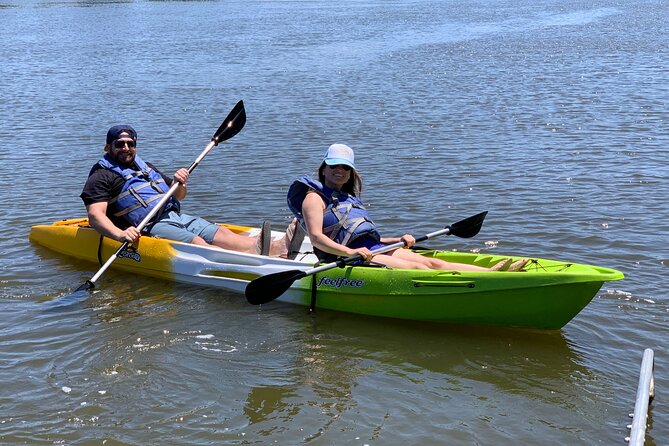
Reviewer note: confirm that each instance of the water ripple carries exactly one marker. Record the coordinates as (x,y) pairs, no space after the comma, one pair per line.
(551,116)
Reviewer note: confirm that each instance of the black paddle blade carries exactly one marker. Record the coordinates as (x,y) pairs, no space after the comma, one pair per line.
(267,288)
(88,285)
(79,295)
(232,124)
(468,227)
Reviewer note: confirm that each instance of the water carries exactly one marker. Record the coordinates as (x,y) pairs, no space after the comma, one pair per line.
(551,115)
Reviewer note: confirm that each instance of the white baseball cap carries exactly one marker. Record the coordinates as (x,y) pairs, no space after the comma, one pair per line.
(339,154)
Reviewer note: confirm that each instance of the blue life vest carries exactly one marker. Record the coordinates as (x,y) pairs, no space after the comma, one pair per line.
(345,218)
(141,192)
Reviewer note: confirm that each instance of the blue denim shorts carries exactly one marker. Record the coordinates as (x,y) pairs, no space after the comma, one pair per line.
(183,227)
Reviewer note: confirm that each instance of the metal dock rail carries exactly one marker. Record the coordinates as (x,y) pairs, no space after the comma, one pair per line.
(644,396)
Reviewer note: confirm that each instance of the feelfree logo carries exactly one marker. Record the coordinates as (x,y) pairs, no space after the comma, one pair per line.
(130,253)
(339,282)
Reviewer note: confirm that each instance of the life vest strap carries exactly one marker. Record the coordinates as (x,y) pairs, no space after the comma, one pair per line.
(132,191)
(142,203)
(351,230)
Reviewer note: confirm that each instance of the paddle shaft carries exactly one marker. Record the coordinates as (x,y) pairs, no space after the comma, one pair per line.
(150,215)
(466,228)
(344,261)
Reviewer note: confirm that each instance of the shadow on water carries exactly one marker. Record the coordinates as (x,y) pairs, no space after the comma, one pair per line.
(328,364)
(337,350)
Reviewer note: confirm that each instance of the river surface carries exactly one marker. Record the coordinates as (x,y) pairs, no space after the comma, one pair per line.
(552,115)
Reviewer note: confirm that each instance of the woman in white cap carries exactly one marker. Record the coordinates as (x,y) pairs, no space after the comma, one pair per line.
(339,225)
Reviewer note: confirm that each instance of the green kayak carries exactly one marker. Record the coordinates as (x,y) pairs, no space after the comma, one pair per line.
(546,295)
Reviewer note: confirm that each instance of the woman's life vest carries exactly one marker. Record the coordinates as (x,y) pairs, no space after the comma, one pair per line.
(345,218)
(141,192)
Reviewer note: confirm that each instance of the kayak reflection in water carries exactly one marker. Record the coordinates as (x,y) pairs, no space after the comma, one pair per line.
(339,225)
(122,189)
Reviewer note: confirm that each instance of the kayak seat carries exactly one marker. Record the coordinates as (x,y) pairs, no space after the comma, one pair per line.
(264,239)
(295,241)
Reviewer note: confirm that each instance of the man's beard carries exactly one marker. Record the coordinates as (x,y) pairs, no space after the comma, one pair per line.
(122,162)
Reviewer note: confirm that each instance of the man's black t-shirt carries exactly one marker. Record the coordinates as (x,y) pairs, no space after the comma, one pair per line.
(102,185)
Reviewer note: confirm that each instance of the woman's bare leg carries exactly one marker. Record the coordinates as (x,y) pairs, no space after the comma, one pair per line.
(397,262)
(434,263)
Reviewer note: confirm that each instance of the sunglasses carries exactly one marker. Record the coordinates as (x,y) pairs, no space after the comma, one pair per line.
(118,144)
(343,166)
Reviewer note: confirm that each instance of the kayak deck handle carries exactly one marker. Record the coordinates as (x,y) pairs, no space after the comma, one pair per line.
(444,283)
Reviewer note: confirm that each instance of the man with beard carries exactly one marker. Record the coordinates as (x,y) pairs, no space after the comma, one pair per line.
(122,188)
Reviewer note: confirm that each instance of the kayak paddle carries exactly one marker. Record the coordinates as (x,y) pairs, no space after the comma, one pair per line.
(267,288)
(232,125)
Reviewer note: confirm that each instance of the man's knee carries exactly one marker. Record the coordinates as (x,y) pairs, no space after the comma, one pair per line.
(197,240)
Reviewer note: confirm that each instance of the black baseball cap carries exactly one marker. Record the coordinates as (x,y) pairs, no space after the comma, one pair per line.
(115,132)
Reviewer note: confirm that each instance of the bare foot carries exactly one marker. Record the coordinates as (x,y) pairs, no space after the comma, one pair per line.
(502,265)
(280,247)
(518,265)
